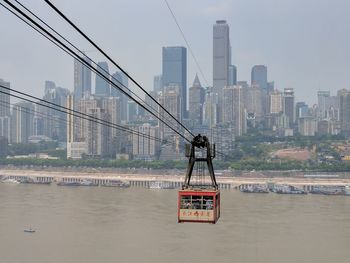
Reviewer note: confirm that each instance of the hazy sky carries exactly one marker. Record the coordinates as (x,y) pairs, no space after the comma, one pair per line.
(304,43)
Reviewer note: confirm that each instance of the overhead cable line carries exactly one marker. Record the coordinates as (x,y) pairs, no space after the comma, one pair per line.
(82,52)
(69,51)
(77,57)
(187,43)
(74,113)
(192,53)
(113,62)
(57,119)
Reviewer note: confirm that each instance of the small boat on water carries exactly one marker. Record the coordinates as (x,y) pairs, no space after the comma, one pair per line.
(160,185)
(347,190)
(29,230)
(87,182)
(84,182)
(63,183)
(10,181)
(259,189)
(116,183)
(288,189)
(328,190)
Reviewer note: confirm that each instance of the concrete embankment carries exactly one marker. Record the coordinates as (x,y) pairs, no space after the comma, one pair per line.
(176,179)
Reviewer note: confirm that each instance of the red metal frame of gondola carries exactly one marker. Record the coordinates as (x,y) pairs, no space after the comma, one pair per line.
(206,207)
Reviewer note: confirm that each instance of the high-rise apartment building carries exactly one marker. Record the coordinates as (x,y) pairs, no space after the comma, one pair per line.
(196,101)
(143,147)
(253,100)
(5,110)
(289,105)
(102,87)
(259,77)
(4,99)
(301,110)
(344,105)
(323,103)
(22,122)
(112,106)
(221,61)
(132,111)
(307,126)
(171,100)
(75,148)
(210,108)
(49,123)
(234,112)
(275,102)
(174,72)
(98,135)
(82,79)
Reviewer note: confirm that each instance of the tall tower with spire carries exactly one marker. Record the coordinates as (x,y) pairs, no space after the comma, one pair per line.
(196,101)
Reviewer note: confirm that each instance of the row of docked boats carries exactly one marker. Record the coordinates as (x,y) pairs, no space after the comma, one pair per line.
(81,182)
(23,181)
(290,189)
(88,182)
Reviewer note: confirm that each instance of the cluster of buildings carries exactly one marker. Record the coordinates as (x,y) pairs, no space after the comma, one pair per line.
(223,111)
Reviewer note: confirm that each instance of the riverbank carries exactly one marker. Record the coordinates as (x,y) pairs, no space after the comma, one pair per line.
(172,176)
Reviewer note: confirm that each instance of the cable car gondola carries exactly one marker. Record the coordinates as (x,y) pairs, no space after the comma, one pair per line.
(198,202)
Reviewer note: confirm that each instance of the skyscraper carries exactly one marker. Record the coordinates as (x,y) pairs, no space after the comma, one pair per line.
(221,60)
(288,105)
(5,112)
(102,87)
(22,122)
(275,102)
(234,112)
(121,80)
(210,108)
(82,79)
(344,105)
(323,103)
(301,110)
(52,127)
(4,99)
(157,83)
(174,72)
(259,76)
(170,99)
(96,135)
(142,147)
(196,101)
(232,77)
(253,100)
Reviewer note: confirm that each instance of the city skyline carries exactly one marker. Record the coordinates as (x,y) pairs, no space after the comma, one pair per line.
(293,64)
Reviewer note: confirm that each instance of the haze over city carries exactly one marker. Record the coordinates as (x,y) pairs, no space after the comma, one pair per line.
(186,131)
(304,44)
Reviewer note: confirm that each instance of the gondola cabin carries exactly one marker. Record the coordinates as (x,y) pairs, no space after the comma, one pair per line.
(199,205)
(199,202)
